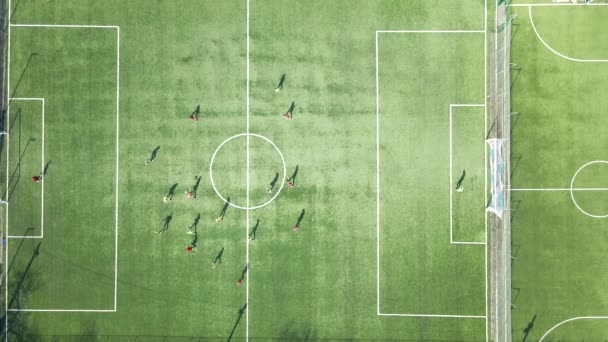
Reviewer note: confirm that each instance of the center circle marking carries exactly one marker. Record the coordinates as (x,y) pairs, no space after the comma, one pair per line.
(220,147)
(572,188)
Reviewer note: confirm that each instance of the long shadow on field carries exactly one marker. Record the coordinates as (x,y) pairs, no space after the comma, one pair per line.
(27,232)
(514,165)
(514,79)
(514,32)
(241,312)
(23,277)
(171,192)
(514,207)
(13,11)
(18,330)
(23,72)
(17,170)
(529,328)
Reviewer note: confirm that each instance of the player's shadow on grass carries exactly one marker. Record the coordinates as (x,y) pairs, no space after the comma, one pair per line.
(22,278)
(196,185)
(529,328)
(300,218)
(46,168)
(16,174)
(15,254)
(29,60)
(165,223)
(171,192)
(218,257)
(236,324)
(224,209)
(293,176)
(154,154)
(254,230)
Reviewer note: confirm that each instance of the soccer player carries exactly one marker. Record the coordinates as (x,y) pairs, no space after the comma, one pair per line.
(189,193)
(280,85)
(296,228)
(291,181)
(166,222)
(194,115)
(218,258)
(273,183)
(189,249)
(289,114)
(37,179)
(153,155)
(239,282)
(223,212)
(459,187)
(254,230)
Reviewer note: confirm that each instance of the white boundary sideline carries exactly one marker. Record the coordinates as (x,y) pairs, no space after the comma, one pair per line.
(41,168)
(117,28)
(555,51)
(378,176)
(452,241)
(248,269)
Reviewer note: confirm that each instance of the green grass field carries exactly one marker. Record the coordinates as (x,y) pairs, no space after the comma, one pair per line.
(390,112)
(558,273)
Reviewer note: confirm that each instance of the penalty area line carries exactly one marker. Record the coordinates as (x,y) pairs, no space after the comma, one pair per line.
(559,189)
(431,315)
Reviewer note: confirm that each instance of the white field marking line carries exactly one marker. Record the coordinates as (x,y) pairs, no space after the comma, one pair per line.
(485,155)
(572,190)
(117,167)
(66,26)
(561,189)
(42,104)
(8,119)
(570,320)
(556,5)
(425,315)
(554,51)
(451,177)
(377,184)
(248,270)
(378,193)
(430,31)
(213,161)
(58,310)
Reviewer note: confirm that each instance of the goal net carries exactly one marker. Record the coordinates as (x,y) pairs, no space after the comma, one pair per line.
(497,164)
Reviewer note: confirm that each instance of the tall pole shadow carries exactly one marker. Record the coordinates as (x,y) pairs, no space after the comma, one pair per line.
(236,324)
